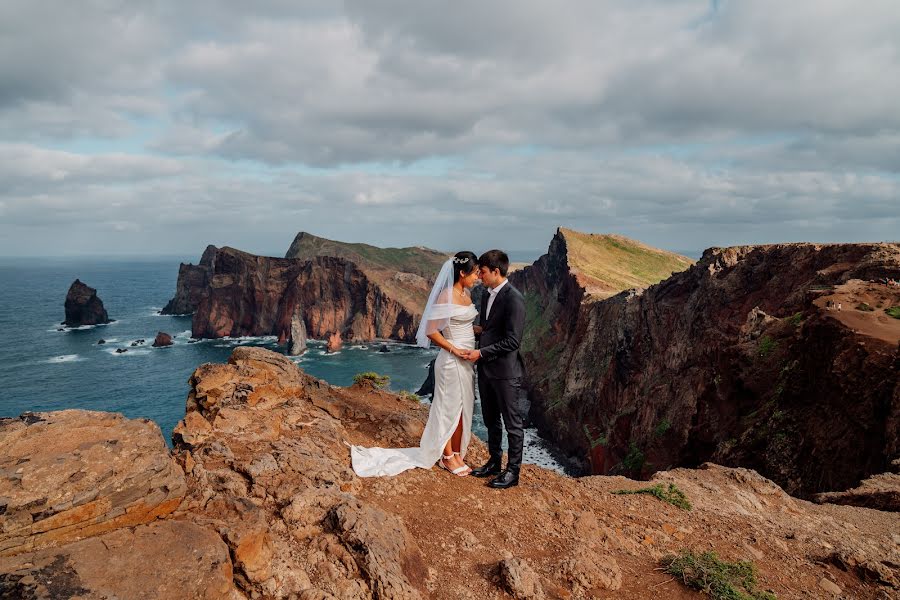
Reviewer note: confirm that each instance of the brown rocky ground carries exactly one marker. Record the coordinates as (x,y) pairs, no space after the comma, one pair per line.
(862,308)
(269,508)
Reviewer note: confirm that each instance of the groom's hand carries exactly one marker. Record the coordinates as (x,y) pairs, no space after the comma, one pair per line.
(474,355)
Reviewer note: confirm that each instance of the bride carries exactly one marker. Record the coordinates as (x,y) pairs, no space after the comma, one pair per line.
(447,322)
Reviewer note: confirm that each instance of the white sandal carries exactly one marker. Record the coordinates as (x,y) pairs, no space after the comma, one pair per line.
(460,458)
(458,471)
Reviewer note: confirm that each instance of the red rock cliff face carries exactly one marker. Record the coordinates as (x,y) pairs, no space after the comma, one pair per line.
(193,284)
(255,295)
(733,360)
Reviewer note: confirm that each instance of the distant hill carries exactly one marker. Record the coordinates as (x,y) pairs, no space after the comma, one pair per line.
(406,274)
(420,261)
(606,264)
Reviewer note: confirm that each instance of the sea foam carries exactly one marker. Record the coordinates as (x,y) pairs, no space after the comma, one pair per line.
(64,358)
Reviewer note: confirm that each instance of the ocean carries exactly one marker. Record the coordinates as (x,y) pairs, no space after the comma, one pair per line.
(44,368)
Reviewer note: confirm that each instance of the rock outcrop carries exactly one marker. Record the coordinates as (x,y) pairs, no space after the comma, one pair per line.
(166,559)
(297,342)
(192,284)
(162,340)
(334,342)
(881,492)
(83,307)
(72,474)
(241,294)
(736,360)
(272,509)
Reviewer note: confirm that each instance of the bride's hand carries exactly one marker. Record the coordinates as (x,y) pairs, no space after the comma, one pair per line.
(477,329)
(464,354)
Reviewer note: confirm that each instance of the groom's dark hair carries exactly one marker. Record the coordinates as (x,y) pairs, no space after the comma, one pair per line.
(495,259)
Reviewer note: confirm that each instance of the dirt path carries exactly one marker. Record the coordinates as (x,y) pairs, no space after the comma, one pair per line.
(853,296)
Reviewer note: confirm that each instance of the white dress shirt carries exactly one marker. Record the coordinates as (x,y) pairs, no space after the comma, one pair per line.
(493,294)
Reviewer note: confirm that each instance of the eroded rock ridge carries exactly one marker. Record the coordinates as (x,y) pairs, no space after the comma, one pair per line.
(742,359)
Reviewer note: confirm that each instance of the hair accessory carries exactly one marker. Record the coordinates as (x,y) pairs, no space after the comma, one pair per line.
(461,260)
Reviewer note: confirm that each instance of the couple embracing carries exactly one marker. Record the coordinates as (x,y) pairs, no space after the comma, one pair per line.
(449,322)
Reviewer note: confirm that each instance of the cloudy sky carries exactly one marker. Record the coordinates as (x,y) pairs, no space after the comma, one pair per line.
(159,127)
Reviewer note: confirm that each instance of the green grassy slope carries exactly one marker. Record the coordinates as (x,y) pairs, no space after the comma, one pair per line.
(608,264)
(420,261)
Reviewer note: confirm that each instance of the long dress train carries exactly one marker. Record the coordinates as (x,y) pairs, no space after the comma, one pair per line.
(454,396)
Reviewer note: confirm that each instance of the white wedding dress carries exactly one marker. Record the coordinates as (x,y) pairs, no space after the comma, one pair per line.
(454,396)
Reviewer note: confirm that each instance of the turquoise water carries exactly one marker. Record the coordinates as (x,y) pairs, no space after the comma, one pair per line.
(43,368)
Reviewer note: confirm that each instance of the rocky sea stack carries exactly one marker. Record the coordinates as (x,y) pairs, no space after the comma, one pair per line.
(83,307)
(258,500)
(738,359)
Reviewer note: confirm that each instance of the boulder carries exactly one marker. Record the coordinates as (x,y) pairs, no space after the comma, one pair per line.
(520,580)
(168,560)
(162,340)
(83,307)
(75,473)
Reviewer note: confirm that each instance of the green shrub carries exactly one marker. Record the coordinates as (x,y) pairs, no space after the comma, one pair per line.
(893,311)
(864,307)
(720,579)
(634,460)
(672,494)
(375,379)
(795,319)
(600,440)
(766,346)
(662,427)
(404,395)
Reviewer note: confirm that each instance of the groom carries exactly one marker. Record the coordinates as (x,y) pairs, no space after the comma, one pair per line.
(500,369)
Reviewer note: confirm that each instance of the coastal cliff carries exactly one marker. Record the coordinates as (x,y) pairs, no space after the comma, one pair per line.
(192,284)
(741,359)
(323,287)
(258,500)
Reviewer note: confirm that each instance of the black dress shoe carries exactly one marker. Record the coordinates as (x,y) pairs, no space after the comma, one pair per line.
(491,467)
(504,480)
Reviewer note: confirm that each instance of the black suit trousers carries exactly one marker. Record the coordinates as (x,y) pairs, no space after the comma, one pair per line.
(504,398)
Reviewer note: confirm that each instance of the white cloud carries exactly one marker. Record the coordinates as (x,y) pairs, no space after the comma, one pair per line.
(423,123)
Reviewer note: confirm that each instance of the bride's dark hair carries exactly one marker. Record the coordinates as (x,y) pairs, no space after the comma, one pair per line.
(464,263)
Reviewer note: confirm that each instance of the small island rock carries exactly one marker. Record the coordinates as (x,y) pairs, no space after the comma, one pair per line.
(84,307)
(162,340)
(334,342)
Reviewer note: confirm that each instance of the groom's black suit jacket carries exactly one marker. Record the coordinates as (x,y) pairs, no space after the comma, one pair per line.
(501,334)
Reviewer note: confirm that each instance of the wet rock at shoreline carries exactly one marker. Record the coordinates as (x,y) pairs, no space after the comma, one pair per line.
(162,340)
(334,342)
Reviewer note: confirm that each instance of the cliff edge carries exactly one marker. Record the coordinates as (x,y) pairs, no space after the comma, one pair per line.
(782,358)
(258,500)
